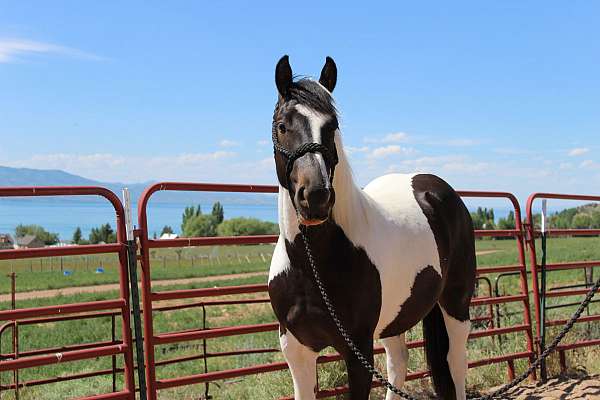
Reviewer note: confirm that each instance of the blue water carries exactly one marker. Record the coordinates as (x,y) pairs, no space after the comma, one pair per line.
(63,217)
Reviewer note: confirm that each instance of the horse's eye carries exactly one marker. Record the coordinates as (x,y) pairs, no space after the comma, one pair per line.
(281,128)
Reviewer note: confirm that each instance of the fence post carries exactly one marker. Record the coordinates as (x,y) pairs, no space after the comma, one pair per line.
(135,297)
(543,370)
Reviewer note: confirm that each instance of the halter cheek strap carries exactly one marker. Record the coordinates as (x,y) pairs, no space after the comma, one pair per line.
(330,157)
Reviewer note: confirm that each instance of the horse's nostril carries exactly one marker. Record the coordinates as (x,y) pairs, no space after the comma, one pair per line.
(318,197)
(302,200)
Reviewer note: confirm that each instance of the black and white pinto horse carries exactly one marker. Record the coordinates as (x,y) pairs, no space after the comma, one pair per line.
(399,251)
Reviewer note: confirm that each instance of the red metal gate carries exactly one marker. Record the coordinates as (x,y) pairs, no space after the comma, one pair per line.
(578,293)
(51,314)
(149,297)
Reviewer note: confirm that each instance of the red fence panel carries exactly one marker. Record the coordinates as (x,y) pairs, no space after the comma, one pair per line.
(533,233)
(35,315)
(149,297)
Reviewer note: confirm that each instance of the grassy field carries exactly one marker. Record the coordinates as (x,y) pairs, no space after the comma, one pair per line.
(271,385)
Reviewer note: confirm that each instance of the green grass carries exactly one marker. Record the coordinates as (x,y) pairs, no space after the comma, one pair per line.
(42,274)
(274,385)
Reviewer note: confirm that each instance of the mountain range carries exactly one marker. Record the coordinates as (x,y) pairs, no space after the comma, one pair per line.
(10,176)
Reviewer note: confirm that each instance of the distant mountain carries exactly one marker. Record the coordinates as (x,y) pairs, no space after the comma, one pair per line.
(40,177)
(51,177)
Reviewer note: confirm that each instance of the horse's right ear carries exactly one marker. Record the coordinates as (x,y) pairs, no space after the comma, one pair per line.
(283,76)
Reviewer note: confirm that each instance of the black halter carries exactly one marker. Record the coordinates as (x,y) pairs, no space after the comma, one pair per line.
(330,157)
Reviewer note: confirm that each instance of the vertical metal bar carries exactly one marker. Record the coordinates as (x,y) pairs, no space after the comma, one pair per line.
(114,357)
(135,298)
(204,348)
(543,370)
(15,330)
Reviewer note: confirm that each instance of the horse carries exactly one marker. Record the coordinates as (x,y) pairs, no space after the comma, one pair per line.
(399,251)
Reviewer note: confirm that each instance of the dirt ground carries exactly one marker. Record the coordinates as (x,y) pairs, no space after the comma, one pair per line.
(587,387)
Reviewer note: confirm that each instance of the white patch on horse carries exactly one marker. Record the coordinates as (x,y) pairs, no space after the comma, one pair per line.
(458,335)
(280,261)
(288,229)
(397,362)
(303,366)
(316,121)
(387,222)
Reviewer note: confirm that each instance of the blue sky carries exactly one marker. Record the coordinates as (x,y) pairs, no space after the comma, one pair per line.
(489,95)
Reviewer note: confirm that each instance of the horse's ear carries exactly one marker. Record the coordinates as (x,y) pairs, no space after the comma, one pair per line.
(329,74)
(283,75)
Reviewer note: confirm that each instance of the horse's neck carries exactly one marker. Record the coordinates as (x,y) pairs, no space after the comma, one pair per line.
(351,209)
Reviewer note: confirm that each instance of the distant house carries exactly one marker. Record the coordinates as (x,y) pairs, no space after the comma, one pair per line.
(6,241)
(169,236)
(29,242)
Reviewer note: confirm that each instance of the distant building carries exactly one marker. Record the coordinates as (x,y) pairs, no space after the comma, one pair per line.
(6,241)
(169,236)
(29,242)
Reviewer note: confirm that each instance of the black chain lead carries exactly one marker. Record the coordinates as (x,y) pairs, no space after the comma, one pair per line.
(379,376)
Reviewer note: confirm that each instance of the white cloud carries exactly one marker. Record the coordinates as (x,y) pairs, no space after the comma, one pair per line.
(395,137)
(350,150)
(263,142)
(565,166)
(11,49)
(578,151)
(385,151)
(589,164)
(217,165)
(229,143)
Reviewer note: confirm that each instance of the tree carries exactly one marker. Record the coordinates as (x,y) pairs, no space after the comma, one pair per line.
(37,231)
(199,225)
(218,212)
(189,213)
(247,226)
(508,222)
(581,221)
(77,236)
(104,234)
(166,229)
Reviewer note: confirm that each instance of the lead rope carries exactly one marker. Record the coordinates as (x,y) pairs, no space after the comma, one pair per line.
(379,376)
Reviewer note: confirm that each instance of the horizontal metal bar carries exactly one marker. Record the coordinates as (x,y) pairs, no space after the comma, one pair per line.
(62,251)
(585,318)
(211,241)
(496,300)
(123,395)
(38,361)
(9,315)
(54,350)
(208,292)
(500,269)
(582,343)
(175,337)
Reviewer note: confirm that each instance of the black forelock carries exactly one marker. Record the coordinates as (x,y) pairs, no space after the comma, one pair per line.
(311,94)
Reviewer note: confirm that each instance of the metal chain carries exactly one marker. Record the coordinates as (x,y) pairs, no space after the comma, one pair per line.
(379,376)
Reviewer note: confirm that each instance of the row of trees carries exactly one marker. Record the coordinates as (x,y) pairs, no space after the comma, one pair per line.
(36,230)
(484,219)
(584,217)
(102,234)
(195,223)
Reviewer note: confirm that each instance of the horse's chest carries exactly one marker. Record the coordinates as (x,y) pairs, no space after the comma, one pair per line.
(352,283)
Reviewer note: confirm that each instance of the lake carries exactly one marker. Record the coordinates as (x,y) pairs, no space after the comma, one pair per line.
(64,216)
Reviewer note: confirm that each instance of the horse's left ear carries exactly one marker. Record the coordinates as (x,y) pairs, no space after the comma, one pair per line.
(329,74)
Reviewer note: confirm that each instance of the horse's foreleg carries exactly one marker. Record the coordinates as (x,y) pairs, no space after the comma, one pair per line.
(359,379)
(458,334)
(397,362)
(303,366)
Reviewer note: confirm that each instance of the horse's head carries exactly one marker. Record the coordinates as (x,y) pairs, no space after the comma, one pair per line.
(304,125)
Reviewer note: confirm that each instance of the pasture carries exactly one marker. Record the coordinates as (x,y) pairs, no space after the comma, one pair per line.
(203,262)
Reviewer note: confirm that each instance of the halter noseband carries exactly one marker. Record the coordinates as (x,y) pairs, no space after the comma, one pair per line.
(330,157)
